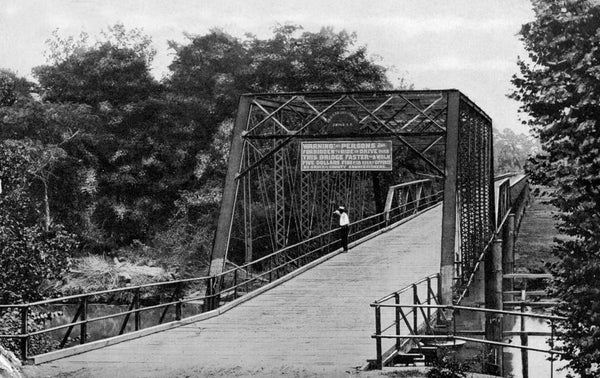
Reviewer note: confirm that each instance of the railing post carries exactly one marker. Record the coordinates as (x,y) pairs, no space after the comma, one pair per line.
(235,278)
(247,280)
(508,251)
(178,295)
(524,352)
(136,307)
(551,348)
(429,301)
(438,299)
(24,336)
(397,310)
(210,292)
(83,326)
(415,310)
(379,362)
(493,301)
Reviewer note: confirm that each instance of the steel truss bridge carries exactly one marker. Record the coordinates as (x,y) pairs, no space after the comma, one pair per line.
(276,217)
(270,203)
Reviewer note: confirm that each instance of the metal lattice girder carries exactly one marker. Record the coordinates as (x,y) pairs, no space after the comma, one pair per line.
(279,190)
(283,206)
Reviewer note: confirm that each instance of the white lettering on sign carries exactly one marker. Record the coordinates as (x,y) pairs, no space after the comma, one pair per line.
(346,156)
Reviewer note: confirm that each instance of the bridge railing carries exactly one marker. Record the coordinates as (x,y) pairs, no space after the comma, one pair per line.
(414,320)
(409,198)
(422,338)
(144,306)
(512,199)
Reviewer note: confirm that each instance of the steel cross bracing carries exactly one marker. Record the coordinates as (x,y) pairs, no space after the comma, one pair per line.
(277,205)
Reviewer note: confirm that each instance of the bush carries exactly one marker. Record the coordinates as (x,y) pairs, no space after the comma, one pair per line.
(446,365)
(10,324)
(29,257)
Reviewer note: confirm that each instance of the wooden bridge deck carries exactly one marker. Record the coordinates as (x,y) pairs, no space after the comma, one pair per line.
(317,324)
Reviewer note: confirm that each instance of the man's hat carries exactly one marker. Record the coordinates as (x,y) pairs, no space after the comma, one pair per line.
(341,208)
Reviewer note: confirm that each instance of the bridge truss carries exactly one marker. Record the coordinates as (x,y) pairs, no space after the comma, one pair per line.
(269,202)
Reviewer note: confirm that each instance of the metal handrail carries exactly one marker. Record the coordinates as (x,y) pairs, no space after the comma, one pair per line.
(404,289)
(414,334)
(474,309)
(399,315)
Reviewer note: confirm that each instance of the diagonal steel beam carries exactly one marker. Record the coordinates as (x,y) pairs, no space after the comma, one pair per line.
(419,109)
(270,115)
(313,108)
(393,132)
(289,138)
(379,107)
(422,112)
(435,116)
(396,113)
(431,145)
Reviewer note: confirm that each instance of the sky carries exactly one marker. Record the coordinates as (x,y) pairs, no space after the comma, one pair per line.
(470,45)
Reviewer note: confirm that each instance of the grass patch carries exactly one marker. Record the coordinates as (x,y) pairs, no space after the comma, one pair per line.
(94,273)
(533,248)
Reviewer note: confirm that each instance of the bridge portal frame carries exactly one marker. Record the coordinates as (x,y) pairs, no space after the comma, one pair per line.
(464,131)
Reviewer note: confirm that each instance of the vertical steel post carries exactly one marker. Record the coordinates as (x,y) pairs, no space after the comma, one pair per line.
(235,280)
(508,251)
(248,213)
(429,301)
(136,315)
(397,311)
(179,304)
(493,300)
(524,352)
(83,326)
(378,339)
(449,207)
(221,241)
(551,348)
(24,336)
(415,309)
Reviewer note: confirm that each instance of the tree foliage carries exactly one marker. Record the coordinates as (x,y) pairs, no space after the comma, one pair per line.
(123,160)
(559,88)
(220,67)
(30,253)
(512,150)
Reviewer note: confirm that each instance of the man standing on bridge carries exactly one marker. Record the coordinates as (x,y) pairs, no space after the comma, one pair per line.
(344,226)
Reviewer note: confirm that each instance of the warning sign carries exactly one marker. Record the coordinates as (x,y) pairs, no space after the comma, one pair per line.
(346,155)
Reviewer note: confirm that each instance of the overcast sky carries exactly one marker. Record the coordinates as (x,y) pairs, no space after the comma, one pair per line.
(470,45)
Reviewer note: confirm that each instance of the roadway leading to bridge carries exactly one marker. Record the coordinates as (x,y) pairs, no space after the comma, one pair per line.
(317,324)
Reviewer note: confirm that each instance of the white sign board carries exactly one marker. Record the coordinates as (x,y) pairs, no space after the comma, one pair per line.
(338,155)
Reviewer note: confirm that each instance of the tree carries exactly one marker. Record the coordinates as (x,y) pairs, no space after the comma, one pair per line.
(30,252)
(559,88)
(511,150)
(137,145)
(212,70)
(106,73)
(303,61)
(12,87)
(61,135)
